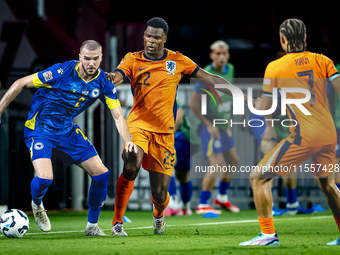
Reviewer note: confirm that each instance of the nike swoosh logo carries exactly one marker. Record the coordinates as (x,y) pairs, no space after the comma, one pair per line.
(141,69)
(167,168)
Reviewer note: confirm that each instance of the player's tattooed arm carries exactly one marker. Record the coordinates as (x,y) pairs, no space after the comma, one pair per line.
(14,90)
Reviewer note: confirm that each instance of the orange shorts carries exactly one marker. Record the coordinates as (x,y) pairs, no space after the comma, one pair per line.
(159,149)
(286,157)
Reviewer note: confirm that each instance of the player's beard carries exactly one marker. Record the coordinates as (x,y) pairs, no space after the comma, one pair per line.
(90,75)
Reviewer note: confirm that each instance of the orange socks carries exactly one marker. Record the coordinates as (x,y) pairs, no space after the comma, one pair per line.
(267,225)
(337,220)
(124,189)
(159,208)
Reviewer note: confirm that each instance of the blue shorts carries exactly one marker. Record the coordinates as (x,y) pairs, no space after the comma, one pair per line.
(215,146)
(337,147)
(258,131)
(71,148)
(182,147)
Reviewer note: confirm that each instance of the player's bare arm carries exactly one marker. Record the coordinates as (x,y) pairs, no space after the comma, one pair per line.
(123,129)
(264,103)
(116,78)
(336,84)
(179,118)
(215,79)
(196,108)
(14,90)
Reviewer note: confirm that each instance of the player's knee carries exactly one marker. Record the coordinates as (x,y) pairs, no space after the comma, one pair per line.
(255,180)
(182,177)
(46,175)
(132,163)
(234,160)
(130,171)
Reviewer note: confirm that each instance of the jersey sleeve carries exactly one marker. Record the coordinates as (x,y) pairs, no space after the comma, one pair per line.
(332,72)
(48,77)
(110,97)
(269,80)
(126,65)
(189,66)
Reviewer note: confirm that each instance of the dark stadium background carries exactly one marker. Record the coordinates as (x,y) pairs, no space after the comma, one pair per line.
(251,28)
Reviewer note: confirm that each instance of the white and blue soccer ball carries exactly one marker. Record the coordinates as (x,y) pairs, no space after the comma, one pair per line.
(14,223)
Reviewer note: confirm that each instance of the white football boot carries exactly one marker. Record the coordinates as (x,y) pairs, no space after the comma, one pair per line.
(41,217)
(94,230)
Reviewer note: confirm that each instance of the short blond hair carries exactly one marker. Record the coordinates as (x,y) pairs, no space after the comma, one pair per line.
(218,43)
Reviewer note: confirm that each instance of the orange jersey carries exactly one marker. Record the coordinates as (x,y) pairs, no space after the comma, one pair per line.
(309,71)
(154,86)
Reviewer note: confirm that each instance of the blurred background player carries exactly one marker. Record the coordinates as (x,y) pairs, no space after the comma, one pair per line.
(186,143)
(64,91)
(217,142)
(313,137)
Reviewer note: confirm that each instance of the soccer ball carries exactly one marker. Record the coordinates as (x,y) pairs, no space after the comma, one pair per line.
(14,223)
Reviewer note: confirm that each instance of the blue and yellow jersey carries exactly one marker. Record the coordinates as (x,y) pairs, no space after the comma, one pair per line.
(63,94)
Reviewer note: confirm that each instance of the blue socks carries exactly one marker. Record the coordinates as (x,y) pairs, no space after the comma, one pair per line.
(186,191)
(97,195)
(223,187)
(291,196)
(222,190)
(172,186)
(205,196)
(39,187)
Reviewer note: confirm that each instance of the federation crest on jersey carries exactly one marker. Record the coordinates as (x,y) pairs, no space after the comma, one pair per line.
(95,93)
(48,75)
(38,146)
(170,66)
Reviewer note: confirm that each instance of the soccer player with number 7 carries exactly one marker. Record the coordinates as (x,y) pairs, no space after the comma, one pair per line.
(314,136)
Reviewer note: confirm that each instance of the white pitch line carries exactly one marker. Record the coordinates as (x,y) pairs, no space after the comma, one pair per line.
(195,224)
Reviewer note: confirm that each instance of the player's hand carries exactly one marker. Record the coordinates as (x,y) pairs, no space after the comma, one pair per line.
(130,147)
(214,132)
(269,133)
(110,76)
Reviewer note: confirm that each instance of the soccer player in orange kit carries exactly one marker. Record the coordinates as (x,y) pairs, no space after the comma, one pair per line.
(154,74)
(314,136)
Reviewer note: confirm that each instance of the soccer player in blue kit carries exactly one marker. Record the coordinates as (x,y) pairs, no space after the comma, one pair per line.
(64,91)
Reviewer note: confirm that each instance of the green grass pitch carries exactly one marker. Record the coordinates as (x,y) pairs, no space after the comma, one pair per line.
(299,234)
